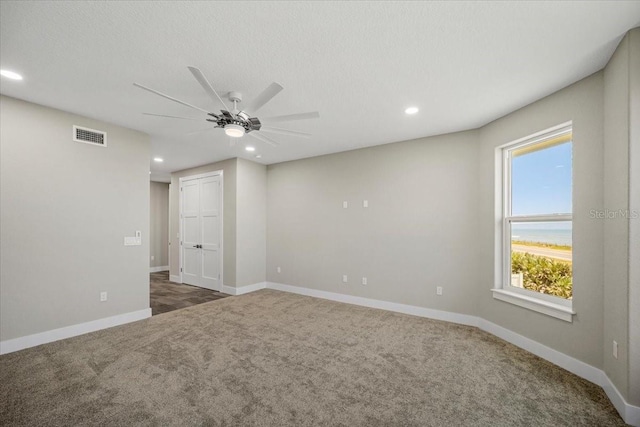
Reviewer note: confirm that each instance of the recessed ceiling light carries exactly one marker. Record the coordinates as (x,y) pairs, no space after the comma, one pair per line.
(158,159)
(411,110)
(10,75)
(250,148)
(258,156)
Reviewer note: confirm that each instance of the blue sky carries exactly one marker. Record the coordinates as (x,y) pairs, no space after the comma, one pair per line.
(541,181)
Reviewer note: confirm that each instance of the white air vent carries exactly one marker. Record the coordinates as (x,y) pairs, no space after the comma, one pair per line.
(89,136)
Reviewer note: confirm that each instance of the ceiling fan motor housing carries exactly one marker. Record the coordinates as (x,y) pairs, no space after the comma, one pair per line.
(241,119)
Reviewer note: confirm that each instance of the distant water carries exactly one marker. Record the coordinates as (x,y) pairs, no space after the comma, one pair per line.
(555,237)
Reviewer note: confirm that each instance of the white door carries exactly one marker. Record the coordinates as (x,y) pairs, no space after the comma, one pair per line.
(191,263)
(202,232)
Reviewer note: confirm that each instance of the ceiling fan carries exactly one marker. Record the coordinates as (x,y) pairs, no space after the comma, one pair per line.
(237,123)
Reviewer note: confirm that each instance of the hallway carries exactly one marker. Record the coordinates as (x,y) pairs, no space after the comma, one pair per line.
(167,296)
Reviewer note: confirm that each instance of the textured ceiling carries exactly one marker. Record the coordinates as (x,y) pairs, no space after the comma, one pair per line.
(359,64)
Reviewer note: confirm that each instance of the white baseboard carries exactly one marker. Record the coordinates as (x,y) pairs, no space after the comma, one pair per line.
(632,416)
(9,346)
(575,366)
(231,290)
(462,319)
(175,279)
(157,269)
(629,413)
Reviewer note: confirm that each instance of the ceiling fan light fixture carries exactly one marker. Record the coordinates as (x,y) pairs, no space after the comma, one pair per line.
(235,131)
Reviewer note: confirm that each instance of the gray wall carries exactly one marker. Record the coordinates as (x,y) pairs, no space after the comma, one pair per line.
(634,223)
(622,234)
(419,231)
(159,226)
(251,223)
(228,217)
(616,230)
(66,207)
(582,103)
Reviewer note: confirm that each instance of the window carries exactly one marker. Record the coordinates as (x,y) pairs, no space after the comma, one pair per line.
(536,252)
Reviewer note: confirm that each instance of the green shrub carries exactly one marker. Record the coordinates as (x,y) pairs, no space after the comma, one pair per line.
(543,275)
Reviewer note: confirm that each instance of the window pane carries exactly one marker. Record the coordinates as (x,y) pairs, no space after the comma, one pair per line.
(541,178)
(541,257)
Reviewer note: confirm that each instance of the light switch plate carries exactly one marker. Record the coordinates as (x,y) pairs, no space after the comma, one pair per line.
(132,241)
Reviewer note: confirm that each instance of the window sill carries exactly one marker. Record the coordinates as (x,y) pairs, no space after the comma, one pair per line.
(550,309)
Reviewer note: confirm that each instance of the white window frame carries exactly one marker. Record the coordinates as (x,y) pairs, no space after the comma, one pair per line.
(557,307)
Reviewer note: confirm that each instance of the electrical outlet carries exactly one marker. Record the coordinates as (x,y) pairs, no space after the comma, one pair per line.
(279,270)
(153,257)
(439,290)
(345,204)
(364,280)
(365,203)
(103,296)
(344,278)
(615,349)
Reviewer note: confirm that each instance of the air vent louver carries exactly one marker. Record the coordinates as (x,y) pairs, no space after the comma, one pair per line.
(89,136)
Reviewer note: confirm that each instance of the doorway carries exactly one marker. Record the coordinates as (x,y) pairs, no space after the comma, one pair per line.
(201,230)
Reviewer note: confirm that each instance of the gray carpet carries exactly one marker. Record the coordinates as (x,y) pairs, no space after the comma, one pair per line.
(276,359)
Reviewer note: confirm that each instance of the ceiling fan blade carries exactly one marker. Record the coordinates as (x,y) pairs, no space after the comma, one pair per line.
(206,85)
(285,131)
(272,90)
(169,97)
(263,138)
(172,117)
(289,117)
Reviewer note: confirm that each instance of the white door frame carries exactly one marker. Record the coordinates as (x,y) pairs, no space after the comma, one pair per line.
(198,176)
